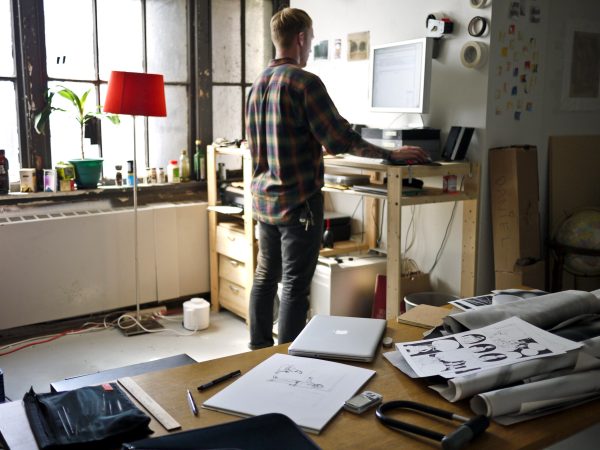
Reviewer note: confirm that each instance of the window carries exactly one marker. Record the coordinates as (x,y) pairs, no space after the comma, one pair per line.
(209,52)
(9,139)
(241,49)
(129,35)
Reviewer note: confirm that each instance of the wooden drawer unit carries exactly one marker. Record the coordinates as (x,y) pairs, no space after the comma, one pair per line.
(233,270)
(233,297)
(232,242)
(233,248)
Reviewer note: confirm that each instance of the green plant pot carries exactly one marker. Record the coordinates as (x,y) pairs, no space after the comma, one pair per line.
(87,172)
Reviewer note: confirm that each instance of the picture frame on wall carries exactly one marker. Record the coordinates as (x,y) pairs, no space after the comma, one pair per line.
(358,46)
(321,50)
(581,73)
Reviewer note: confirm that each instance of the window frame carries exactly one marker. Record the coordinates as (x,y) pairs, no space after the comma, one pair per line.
(31,77)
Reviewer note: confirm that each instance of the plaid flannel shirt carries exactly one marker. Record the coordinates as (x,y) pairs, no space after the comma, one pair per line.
(289,118)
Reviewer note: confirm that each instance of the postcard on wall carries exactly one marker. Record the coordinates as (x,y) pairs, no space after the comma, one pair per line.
(358,46)
(309,391)
(337,49)
(503,343)
(321,50)
(581,73)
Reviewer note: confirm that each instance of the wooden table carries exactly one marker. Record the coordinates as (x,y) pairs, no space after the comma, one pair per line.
(350,431)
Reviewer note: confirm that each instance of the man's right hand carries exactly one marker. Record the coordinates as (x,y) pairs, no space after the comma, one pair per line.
(409,154)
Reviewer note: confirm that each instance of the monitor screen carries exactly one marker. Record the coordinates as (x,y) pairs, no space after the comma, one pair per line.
(400,76)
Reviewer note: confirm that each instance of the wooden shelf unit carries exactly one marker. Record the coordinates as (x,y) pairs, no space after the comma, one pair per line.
(468,194)
(232,239)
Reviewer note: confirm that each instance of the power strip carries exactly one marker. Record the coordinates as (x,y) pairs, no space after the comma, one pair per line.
(148,312)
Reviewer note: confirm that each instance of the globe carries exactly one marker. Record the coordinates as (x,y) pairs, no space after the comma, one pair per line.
(582,230)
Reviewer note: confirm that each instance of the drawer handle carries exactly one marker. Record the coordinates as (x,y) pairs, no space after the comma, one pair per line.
(231,238)
(234,289)
(234,263)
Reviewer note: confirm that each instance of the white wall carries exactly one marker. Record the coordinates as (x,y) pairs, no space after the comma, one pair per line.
(547,118)
(457,98)
(462,96)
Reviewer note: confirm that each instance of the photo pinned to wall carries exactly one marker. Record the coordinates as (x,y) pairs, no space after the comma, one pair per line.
(321,51)
(337,48)
(514,10)
(517,71)
(581,73)
(535,14)
(358,46)
(528,9)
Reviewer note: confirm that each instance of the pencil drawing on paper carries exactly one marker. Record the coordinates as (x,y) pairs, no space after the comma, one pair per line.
(294,377)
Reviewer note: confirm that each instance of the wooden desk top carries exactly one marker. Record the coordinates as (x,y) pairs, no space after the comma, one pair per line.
(347,430)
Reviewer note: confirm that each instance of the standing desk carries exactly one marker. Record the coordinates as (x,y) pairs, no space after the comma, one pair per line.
(347,430)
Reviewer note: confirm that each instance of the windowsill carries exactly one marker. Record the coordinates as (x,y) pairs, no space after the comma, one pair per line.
(119,196)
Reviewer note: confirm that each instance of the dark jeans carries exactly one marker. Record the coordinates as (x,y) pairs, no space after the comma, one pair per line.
(286,253)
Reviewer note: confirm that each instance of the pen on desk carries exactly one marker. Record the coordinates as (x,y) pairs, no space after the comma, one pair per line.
(235,373)
(192,403)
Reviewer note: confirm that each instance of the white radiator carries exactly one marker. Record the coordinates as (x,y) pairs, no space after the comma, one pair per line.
(67,264)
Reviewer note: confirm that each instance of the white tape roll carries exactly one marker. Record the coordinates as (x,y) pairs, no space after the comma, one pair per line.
(479,3)
(196,314)
(473,54)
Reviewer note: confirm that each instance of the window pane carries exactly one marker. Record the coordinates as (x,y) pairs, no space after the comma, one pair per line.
(7,64)
(69,39)
(166,32)
(259,48)
(167,136)
(9,140)
(65,132)
(227,112)
(117,143)
(226,41)
(120,43)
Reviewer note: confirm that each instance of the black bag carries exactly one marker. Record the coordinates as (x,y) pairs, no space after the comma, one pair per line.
(91,417)
(271,431)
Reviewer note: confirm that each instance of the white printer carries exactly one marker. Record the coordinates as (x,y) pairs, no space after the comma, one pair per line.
(345,285)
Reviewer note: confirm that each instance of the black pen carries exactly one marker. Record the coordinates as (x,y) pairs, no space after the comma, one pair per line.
(192,403)
(219,380)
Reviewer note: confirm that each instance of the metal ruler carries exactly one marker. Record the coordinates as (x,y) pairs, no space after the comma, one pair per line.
(157,411)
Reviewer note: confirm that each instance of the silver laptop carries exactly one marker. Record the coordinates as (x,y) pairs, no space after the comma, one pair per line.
(338,337)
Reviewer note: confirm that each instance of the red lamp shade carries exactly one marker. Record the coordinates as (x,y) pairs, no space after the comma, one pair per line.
(136,94)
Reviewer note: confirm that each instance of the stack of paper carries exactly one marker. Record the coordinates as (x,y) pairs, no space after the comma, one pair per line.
(309,391)
(512,368)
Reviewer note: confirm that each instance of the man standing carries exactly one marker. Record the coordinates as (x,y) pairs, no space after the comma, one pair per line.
(290,118)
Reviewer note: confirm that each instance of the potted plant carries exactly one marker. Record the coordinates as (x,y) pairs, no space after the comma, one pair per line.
(87,170)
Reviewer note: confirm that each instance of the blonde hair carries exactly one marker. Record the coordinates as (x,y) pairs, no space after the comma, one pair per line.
(286,24)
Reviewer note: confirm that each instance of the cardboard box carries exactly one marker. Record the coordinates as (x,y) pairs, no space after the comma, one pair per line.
(409,284)
(514,189)
(533,276)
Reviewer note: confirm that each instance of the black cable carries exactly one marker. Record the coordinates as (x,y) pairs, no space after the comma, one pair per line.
(447,233)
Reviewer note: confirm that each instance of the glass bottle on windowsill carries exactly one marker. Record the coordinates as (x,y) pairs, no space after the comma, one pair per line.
(184,166)
(119,175)
(4,181)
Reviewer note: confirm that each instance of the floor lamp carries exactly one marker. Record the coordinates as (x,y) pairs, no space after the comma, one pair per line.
(136,94)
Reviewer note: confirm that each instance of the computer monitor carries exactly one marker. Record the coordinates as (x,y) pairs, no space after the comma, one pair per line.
(401,76)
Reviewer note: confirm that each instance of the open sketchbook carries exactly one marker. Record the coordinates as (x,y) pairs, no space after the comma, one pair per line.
(309,391)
